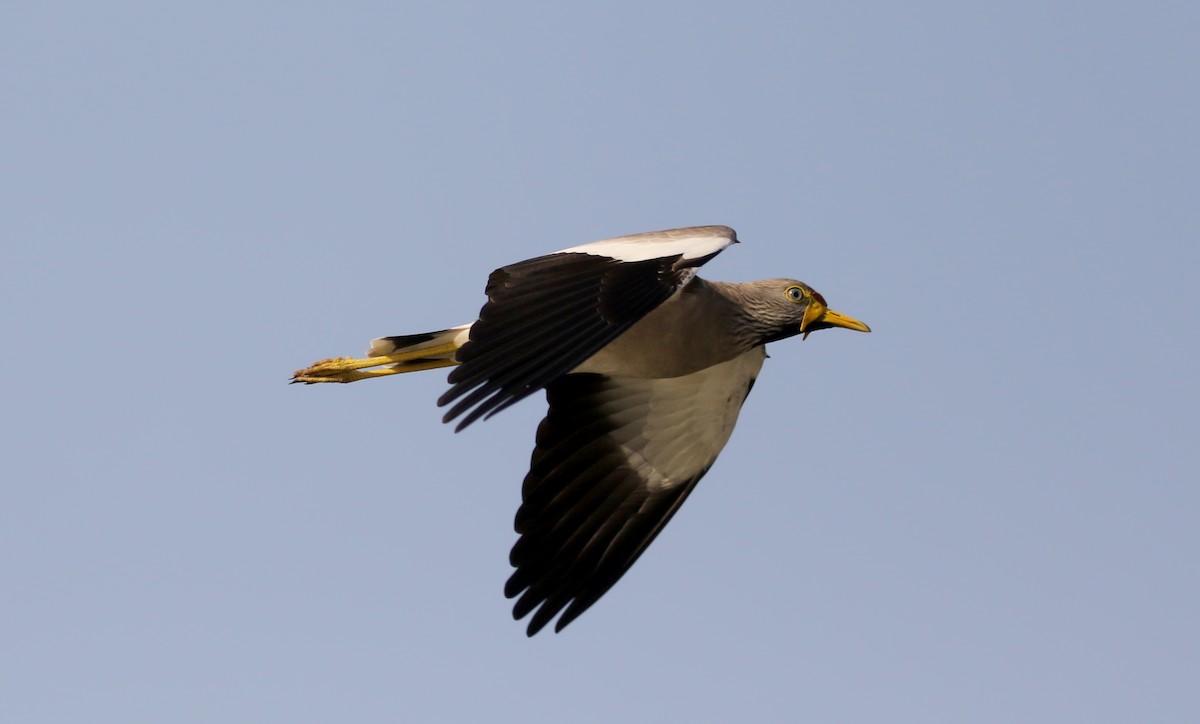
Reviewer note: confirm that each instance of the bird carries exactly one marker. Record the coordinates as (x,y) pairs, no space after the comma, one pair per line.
(645,367)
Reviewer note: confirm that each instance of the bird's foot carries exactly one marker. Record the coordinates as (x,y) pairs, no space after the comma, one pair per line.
(346,369)
(339,369)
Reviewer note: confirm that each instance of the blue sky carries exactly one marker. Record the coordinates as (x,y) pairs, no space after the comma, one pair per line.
(984,511)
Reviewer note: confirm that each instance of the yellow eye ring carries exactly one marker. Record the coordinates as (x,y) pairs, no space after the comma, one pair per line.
(794,294)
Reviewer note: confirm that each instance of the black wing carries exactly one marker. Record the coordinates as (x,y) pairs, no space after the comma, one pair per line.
(615,459)
(546,315)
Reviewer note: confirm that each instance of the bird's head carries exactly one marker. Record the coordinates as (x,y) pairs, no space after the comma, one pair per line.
(789,307)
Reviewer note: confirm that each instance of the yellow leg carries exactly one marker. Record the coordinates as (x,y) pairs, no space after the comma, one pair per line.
(345,369)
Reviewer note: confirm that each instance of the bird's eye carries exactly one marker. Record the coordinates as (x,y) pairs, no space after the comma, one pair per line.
(794,293)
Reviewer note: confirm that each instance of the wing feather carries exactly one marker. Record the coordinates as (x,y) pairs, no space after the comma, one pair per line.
(545,316)
(615,458)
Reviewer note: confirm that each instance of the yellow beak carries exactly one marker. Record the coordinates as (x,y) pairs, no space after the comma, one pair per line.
(819,316)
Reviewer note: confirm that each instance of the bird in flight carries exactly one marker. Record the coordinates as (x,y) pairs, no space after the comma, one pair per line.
(645,367)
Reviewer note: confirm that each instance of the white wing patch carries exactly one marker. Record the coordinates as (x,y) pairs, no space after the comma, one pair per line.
(694,242)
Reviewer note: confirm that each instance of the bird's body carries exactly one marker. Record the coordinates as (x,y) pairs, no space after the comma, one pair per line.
(684,334)
(645,368)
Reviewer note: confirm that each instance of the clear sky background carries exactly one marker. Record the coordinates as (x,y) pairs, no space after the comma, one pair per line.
(985,511)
